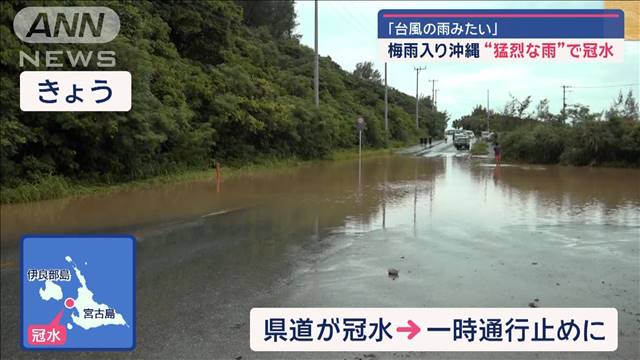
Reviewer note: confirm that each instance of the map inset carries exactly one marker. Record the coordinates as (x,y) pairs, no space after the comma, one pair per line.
(78,292)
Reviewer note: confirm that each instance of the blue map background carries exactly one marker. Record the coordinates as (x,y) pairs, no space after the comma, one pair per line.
(109,274)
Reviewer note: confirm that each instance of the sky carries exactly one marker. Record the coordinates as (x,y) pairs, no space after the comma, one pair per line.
(348,34)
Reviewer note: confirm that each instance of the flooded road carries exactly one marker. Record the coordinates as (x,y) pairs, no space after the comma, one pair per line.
(460,232)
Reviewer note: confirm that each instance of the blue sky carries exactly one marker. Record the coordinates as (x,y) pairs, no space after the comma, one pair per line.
(348,34)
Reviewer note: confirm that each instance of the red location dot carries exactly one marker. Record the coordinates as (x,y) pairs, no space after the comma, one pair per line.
(69,303)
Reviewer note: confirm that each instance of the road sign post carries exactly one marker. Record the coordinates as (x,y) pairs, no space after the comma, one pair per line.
(360,125)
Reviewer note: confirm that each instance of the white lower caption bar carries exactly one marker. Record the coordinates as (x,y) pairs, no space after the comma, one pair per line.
(437,329)
(501,50)
(93,91)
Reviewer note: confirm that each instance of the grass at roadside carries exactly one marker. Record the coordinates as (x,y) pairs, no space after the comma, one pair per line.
(479,148)
(53,187)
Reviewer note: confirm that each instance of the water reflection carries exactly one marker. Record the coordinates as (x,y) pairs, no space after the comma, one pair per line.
(381,192)
(590,195)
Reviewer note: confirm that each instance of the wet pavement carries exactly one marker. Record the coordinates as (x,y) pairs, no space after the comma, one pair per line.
(460,232)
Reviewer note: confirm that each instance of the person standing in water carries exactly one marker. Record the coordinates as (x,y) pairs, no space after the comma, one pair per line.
(497,152)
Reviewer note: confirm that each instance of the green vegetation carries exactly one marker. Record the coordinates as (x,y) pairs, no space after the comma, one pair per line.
(576,137)
(211,80)
(479,148)
(51,187)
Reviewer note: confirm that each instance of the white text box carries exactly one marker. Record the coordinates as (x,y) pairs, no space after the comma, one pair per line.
(75,91)
(440,329)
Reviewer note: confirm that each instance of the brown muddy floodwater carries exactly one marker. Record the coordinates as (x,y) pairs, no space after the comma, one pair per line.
(460,232)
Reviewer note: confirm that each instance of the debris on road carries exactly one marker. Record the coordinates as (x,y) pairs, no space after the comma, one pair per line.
(393,273)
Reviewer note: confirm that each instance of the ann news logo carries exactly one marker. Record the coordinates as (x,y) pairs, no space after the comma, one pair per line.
(67,24)
(95,91)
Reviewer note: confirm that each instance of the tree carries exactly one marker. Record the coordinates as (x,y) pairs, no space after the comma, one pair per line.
(624,107)
(213,80)
(435,122)
(542,110)
(201,30)
(579,113)
(365,70)
(479,111)
(616,108)
(515,107)
(630,110)
(277,15)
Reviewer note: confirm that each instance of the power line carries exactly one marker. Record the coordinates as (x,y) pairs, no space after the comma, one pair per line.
(365,28)
(356,25)
(564,97)
(604,86)
(347,18)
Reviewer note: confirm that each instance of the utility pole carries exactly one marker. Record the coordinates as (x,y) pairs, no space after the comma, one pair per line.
(386,101)
(316,75)
(435,104)
(487,109)
(417,94)
(564,99)
(433,91)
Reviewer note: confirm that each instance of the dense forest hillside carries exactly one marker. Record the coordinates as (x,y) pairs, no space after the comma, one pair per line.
(211,80)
